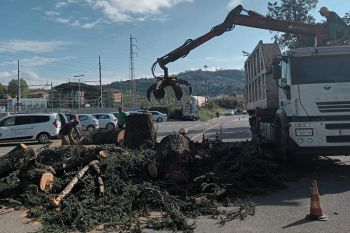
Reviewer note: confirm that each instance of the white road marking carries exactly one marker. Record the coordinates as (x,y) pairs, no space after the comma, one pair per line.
(204,131)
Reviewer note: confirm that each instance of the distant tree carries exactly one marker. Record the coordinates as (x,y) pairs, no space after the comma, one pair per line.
(13,88)
(346,18)
(2,91)
(291,10)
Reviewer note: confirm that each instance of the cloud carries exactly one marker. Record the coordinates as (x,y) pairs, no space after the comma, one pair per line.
(30,46)
(64,3)
(234,3)
(52,13)
(37,61)
(62,20)
(30,76)
(7,76)
(89,25)
(124,10)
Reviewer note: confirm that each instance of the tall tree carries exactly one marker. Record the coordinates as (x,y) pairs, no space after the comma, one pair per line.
(291,10)
(13,88)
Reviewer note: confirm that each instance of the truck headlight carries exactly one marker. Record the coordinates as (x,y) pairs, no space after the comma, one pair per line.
(304,132)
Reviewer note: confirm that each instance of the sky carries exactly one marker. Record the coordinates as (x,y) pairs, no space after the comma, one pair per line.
(56,40)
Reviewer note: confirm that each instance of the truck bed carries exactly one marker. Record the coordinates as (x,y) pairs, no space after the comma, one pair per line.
(261,90)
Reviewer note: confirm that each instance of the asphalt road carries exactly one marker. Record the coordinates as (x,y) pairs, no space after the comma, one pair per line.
(280,211)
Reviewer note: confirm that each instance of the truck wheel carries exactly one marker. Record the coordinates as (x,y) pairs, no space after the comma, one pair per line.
(282,143)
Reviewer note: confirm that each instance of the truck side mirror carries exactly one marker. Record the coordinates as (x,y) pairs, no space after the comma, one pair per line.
(276,71)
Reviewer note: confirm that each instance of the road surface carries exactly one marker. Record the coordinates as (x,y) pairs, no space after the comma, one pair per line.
(280,211)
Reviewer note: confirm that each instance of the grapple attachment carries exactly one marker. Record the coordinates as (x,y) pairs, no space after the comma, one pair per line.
(158,88)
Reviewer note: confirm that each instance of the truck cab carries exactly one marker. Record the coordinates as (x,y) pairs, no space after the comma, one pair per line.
(314,97)
(300,100)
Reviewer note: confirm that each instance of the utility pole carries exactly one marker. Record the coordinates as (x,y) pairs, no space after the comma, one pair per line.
(79,90)
(99,66)
(60,99)
(121,92)
(207,91)
(51,98)
(18,88)
(132,70)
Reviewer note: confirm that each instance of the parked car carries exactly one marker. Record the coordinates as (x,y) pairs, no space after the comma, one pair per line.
(63,118)
(20,127)
(87,122)
(158,116)
(229,112)
(106,120)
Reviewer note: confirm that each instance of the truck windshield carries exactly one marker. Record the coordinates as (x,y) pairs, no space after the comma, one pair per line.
(320,69)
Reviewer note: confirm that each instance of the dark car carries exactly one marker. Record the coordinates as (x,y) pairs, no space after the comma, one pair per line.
(63,119)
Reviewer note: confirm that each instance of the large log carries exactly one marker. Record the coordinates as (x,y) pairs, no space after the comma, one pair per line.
(139,131)
(36,174)
(15,159)
(174,158)
(68,158)
(114,136)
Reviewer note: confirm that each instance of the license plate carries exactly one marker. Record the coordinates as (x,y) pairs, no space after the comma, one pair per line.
(344,131)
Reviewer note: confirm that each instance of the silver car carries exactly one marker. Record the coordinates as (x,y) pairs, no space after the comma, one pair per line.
(106,120)
(88,122)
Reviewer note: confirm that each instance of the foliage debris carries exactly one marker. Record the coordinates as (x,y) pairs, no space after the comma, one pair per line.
(220,175)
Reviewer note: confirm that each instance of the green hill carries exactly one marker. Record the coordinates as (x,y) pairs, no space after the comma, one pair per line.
(220,82)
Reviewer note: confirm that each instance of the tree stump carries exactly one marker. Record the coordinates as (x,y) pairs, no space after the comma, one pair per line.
(139,131)
(15,159)
(173,157)
(114,136)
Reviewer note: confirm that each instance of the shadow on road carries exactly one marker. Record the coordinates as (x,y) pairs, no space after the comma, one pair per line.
(331,173)
(296,223)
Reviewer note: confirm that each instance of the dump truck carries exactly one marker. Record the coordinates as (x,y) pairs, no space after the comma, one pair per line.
(299,100)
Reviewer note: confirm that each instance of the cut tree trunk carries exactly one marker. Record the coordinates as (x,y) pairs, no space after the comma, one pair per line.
(15,159)
(114,136)
(38,175)
(139,131)
(174,155)
(68,158)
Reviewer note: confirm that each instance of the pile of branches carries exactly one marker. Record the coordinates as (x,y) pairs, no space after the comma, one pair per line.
(118,190)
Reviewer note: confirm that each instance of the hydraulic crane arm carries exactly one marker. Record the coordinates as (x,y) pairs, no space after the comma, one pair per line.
(252,19)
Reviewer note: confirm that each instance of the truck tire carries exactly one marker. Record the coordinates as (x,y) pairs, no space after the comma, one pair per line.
(282,143)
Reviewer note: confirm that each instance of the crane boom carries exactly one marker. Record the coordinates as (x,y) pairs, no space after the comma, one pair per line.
(252,19)
(234,17)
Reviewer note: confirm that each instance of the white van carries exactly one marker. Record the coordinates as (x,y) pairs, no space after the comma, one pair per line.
(20,127)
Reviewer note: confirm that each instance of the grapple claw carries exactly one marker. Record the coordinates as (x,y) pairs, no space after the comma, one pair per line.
(158,88)
(159,93)
(150,90)
(187,84)
(178,91)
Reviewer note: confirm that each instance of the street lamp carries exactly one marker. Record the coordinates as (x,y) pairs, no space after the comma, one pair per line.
(79,92)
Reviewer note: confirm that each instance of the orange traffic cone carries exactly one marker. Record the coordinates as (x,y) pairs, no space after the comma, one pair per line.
(316,212)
